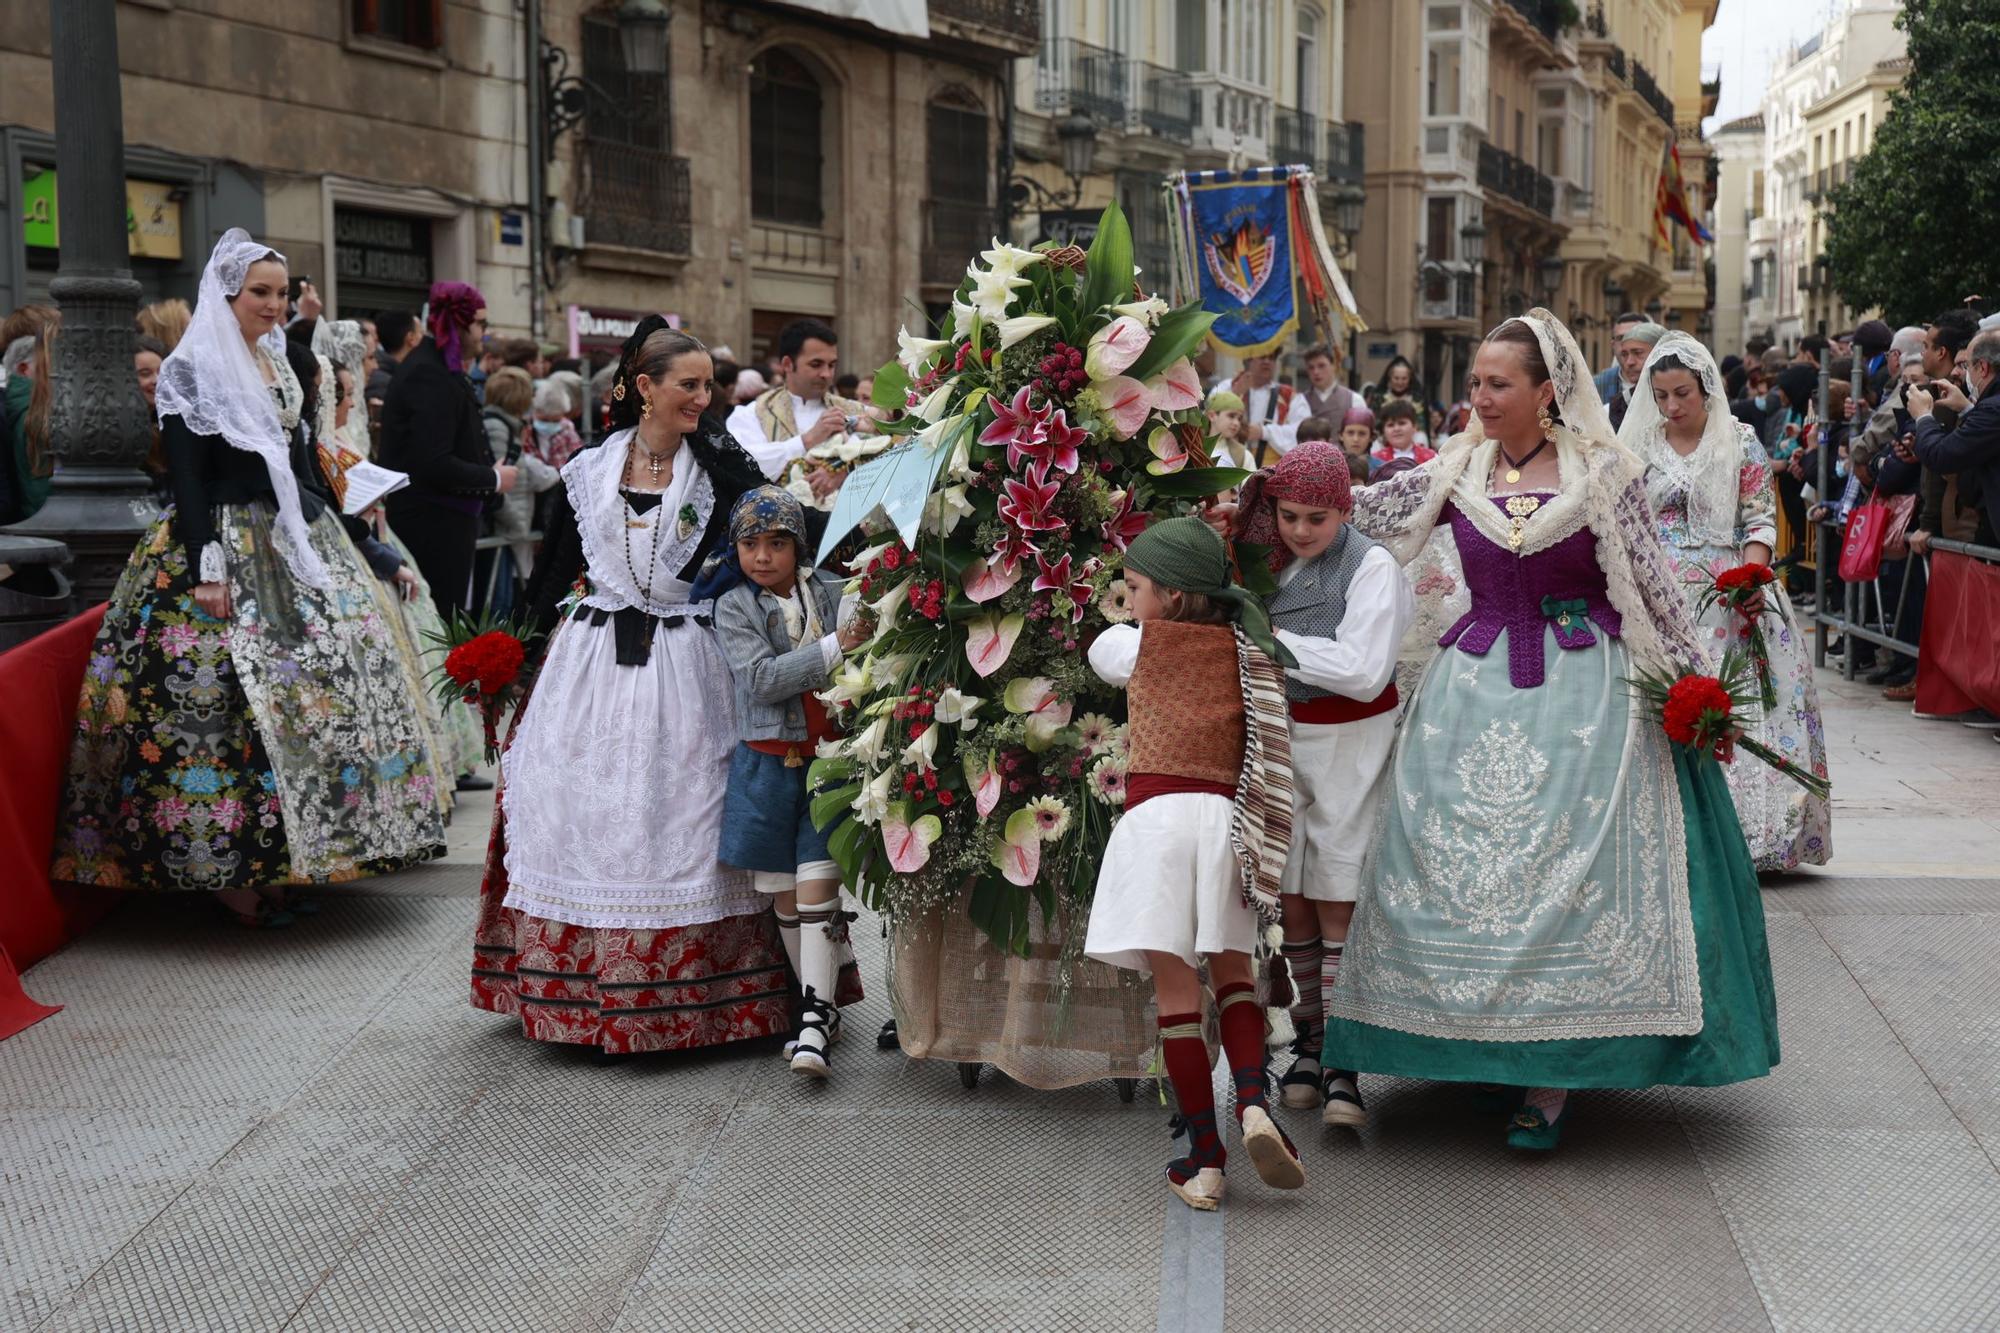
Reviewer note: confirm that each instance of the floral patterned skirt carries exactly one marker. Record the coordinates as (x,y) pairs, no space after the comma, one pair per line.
(280,746)
(631,990)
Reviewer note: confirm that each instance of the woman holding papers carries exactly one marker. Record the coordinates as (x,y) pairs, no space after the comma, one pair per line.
(245,722)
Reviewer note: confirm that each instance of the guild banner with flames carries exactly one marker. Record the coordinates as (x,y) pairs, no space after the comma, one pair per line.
(1250,246)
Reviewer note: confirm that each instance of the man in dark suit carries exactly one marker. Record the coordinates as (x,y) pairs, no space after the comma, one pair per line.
(431,430)
(1972,449)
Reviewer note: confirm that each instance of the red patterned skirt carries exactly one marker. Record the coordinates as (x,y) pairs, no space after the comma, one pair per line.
(628,991)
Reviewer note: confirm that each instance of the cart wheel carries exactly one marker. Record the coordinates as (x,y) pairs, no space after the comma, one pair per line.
(886,1039)
(1126,1088)
(968,1073)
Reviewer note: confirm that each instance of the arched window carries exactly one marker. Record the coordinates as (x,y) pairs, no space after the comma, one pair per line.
(786,154)
(959,212)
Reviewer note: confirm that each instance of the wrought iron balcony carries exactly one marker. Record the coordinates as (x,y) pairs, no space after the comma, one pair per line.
(637,197)
(1345,146)
(1009,25)
(1168,102)
(1543,14)
(1073,76)
(1615,62)
(955,230)
(1504,174)
(1294,138)
(1643,84)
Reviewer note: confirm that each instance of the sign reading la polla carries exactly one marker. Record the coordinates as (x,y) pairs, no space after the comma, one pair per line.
(152,216)
(598,331)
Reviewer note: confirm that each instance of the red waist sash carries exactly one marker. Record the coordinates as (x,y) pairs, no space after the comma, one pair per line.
(1143,787)
(1329,709)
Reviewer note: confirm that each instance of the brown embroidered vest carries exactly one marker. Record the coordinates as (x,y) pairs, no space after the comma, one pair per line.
(1187,703)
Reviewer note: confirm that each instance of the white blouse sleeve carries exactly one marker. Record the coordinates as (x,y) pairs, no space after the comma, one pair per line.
(1360,659)
(1115,654)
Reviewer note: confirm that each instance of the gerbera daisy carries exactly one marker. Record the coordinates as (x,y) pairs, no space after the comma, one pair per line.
(1116,602)
(1094,732)
(1051,817)
(1107,781)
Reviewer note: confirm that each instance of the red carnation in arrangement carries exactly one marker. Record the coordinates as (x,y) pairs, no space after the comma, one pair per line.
(1690,702)
(488,663)
(1744,577)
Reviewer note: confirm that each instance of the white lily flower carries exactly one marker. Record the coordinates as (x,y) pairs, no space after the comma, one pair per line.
(891,670)
(960,467)
(1009,259)
(1022,326)
(993,292)
(956,708)
(1147,312)
(953,506)
(867,745)
(932,408)
(913,352)
(923,750)
(854,680)
(873,802)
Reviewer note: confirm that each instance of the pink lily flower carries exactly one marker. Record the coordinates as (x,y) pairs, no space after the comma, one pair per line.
(1025,503)
(1123,526)
(1062,441)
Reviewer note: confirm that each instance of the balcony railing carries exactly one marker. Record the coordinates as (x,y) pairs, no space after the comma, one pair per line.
(1073,76)
(1643,84)
(1541,14)
(1503,173)
(1594,22)
(1346,157)
(1615,62)
(1168,103)
(637,197)
(1016,25)
(1294,137)
(954,231)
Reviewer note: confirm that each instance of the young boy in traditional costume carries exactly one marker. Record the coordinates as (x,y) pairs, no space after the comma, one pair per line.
(1357,437)
(1342,607)
(1197,857)
(777,632)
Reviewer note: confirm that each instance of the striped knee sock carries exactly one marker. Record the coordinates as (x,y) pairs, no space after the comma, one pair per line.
(1303,962)
(1329,969)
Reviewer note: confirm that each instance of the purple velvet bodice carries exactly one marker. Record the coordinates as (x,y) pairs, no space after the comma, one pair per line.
(1561,588)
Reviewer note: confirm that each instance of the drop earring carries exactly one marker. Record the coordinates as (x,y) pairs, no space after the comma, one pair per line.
(645,409)
(1547,423)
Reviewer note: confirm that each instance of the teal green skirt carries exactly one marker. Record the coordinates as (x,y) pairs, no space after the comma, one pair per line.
(1739,1036)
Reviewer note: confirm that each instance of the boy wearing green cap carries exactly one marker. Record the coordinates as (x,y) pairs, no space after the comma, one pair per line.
(1195,861)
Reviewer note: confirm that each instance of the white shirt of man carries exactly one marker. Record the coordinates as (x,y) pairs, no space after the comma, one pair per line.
(1279,435)
(774,456)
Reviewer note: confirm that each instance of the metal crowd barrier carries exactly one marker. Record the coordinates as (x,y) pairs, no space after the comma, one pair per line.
(493,569)
(1865,614)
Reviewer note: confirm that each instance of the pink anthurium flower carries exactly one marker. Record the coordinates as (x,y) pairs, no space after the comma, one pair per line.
(1176,389)
(1115,347)
(983,581)
(1127,402)
(1025,503)
(1126,524)
(986,790)
(908,841)
(989,639)
(1169,454)
(1018,853)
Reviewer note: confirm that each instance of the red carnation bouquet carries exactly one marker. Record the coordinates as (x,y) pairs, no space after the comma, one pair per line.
(1736,588)
(484,663)
(1702,713)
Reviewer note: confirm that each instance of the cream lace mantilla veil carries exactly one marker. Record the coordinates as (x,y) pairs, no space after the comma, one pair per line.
(1714,469)
(1603,489)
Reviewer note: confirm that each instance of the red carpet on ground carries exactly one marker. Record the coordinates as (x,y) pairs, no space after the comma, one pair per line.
(40,681)
(1958,659)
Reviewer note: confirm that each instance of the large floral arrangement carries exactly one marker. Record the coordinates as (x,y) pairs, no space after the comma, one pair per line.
(1062,414)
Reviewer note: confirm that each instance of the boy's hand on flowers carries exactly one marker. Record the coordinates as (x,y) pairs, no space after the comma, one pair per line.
(853,634)
(1220,516)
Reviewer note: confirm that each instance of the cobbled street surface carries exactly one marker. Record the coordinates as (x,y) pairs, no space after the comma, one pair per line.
(311,1129)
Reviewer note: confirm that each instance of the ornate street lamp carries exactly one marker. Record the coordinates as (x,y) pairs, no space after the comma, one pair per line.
(1473,237)
(1549,276)
(1076,138)
(1350,201)
(642,35)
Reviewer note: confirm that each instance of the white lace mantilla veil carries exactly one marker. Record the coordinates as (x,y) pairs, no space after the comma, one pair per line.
(1714,469)
(1603,488)
(211,382)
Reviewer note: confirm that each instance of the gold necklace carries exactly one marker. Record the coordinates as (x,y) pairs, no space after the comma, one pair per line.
(1514,466)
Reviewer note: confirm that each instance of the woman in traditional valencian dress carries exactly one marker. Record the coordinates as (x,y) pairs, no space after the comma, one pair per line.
(607,919)
(245,721)
(1557,897)
(1709,482)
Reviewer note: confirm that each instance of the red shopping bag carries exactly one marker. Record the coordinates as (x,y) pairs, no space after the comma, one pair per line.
(1861,548)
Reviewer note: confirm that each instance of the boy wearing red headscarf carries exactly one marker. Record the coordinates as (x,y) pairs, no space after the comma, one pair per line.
(1342,607)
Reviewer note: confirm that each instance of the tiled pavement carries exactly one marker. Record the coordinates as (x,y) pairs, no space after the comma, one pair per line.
(311,1129)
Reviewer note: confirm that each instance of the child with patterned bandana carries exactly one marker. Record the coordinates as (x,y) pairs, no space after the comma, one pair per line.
(1198,854)
(1342,607)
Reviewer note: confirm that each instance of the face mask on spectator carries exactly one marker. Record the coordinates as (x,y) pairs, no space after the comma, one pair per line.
(547,428)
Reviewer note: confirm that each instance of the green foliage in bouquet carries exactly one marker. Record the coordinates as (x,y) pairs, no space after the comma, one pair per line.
(982,755)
